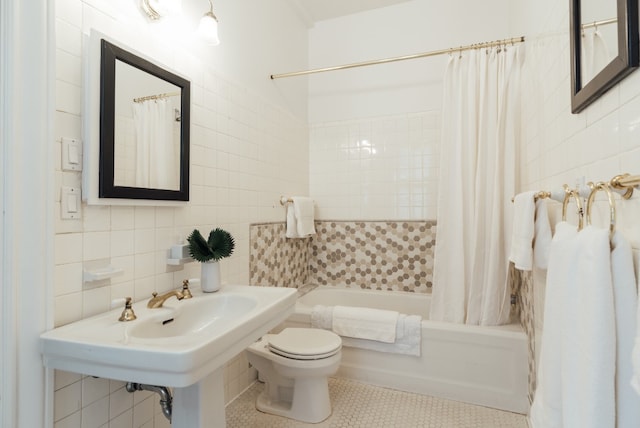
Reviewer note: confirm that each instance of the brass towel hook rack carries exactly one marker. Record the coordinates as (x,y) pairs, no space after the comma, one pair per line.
(624,181)
(542,194)
(612,205)
(570,193)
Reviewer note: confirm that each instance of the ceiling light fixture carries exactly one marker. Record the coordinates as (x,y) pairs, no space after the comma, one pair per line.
(208,28)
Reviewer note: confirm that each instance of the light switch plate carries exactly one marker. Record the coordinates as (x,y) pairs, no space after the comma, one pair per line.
(71,154)
(70,203)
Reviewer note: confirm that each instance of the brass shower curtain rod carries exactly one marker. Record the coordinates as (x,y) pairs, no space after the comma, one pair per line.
(401,58)
(156,97)
(599,23)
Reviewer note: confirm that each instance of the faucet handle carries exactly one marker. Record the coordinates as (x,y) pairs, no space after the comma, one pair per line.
(186,293)
(127,313)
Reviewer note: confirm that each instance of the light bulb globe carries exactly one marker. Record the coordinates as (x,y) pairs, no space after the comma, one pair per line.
(208,29)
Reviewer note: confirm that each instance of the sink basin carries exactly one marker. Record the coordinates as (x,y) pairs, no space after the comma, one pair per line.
(176,345)
(202,317)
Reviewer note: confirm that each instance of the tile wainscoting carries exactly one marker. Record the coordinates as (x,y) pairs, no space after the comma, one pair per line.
(381,255)
(521,285)
(275,260)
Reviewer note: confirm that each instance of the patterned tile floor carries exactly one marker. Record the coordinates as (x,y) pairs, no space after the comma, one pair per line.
(358,405)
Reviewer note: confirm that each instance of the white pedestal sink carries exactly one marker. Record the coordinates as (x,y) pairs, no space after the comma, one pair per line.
(183,345)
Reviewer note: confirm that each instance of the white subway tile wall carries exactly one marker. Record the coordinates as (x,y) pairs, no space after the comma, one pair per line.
(560,147)
(381,168)
(242,150)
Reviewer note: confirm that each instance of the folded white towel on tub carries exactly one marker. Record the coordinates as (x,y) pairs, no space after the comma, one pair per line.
(408,333)
(322,317)
(365,323)
(408,338)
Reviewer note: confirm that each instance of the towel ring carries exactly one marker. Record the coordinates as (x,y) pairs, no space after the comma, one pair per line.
(568,195)
(612,205)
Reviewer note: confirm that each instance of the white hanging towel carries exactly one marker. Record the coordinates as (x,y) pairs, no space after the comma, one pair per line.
(523,230)
(589,357)
(635,380)
(578,359)
(546,409)
(626,307)
(292,231)
(542,235)
(365,323)
(300,220)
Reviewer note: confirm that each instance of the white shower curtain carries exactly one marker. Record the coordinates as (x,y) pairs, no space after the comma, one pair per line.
(595,55)
(157,152)
(480,132)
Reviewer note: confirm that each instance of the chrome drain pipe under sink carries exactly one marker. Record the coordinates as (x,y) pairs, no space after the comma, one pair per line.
(162,391)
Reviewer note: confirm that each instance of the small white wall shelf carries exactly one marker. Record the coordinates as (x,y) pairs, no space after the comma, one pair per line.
(98,274)
(179,262)
(179,255)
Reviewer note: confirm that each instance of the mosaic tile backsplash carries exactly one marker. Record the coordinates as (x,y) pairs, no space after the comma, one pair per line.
(276,261)
(521,285)
(382,255)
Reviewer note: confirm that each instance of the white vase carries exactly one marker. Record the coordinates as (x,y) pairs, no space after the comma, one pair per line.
(210,276)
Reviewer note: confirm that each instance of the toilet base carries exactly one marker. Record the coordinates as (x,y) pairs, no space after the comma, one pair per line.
(295,389)
(307,390)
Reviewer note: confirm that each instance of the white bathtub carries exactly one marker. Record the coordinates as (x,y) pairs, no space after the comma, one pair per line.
(478,365)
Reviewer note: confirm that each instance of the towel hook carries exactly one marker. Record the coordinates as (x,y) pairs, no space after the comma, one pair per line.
(612,205)
(542,194)
(569,193)
(284,200)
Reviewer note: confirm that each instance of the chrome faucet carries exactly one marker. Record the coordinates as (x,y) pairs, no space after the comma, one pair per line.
(157,301)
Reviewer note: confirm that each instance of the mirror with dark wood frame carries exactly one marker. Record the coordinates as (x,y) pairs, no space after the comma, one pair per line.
(144,128)
(589,85)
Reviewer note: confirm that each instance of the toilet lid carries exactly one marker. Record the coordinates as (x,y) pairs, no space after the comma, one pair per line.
(305,343)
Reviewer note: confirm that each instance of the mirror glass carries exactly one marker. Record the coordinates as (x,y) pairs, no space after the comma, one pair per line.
(599,38)
(604,47)
(144,129)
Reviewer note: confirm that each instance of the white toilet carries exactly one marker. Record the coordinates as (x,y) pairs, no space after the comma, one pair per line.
(295,365)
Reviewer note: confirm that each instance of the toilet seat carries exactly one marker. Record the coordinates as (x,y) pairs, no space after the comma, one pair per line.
(305,343)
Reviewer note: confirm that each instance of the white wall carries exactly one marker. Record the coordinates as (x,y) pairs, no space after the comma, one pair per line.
(379,168)
(560,147)
(375,130)
(408,28)
(245,130)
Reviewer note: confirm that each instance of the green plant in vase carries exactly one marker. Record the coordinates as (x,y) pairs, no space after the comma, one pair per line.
(209,252)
